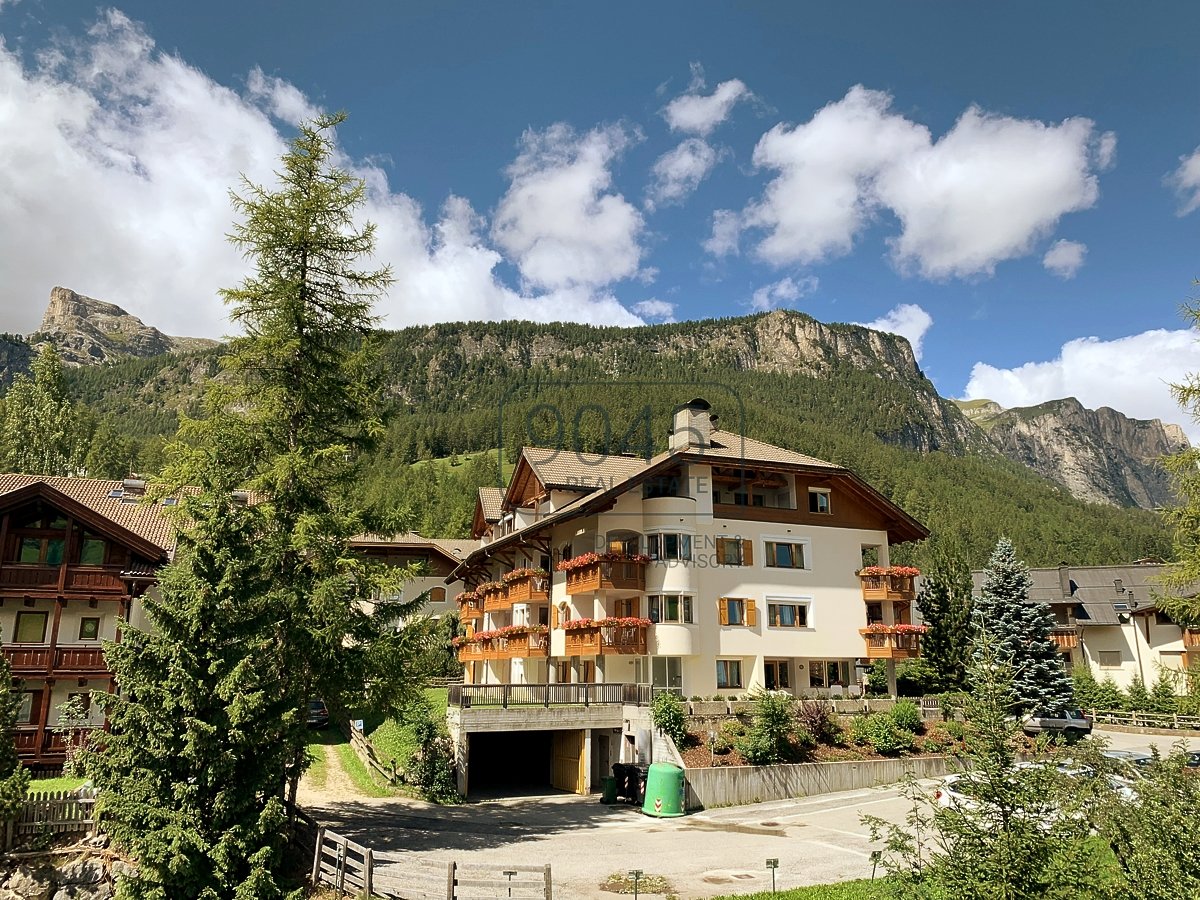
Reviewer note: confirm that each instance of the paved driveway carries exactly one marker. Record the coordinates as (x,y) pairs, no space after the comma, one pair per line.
(816,839)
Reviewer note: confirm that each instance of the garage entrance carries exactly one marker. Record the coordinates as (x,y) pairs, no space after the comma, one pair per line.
(505,763)
(567,769)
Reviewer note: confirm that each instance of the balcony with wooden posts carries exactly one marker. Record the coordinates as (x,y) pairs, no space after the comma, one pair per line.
(470,607)
(888,583)
(594,572)
(494,596)
(892,641)
(63,659)
(475,649)
(1191,638)
(602,637)
(1065,636)
(527,586)
(35,579)
(531,644)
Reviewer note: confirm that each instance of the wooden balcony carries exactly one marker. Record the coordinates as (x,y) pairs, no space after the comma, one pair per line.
(603,640)
(1191,638)
(56,741)
(529,645)
(75,579)
(495,600)
(626,576)
(27,659)
(1065,636)
(474,651)
(888,587)
(531,589)
(25,739)
(86,658)
(891,644)
(62,660)
(470,612)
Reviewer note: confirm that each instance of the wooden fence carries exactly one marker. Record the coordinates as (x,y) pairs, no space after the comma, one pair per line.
(1146,720)
(357,870)
(365,751)
(55,812)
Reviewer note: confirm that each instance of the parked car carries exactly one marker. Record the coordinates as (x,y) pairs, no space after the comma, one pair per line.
(318,714)
(1070,723)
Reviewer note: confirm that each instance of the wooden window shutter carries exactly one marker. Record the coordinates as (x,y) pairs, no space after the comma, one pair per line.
(720,551)
(751,614)
(747,553)
(723,611)
(635,607)
(553,616)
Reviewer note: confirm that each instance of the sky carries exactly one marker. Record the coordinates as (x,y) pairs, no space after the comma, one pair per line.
(1013,187)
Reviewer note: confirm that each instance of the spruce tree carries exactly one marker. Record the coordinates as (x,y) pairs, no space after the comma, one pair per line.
(14,778)
(945,606)
(1180,598)
(1021,630)
(40,430)
(264,604)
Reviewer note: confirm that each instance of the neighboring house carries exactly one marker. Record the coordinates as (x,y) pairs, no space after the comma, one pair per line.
(78,554)
(1107,619)
(432,558)
(723,565)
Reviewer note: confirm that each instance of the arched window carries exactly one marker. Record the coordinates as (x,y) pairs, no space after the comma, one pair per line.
(437,595)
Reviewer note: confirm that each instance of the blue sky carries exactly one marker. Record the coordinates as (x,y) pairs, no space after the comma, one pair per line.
(1002,183)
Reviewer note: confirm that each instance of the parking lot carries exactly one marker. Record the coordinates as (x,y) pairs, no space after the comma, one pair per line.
(816,839)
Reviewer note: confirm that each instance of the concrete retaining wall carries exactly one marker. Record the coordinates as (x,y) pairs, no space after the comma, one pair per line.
(738,785)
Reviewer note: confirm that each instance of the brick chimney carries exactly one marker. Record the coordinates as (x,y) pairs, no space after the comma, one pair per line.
(692,427)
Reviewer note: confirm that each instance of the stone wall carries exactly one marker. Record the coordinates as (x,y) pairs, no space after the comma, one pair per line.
(87,871)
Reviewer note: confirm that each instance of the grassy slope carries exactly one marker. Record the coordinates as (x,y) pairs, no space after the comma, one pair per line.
(394,740)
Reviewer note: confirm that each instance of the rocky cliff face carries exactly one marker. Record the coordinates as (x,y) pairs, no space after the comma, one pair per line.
(1099,455)
(89,332)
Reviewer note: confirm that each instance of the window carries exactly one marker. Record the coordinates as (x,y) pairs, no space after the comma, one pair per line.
(818,501)
(671,608)
(742,498)
(89,628)
(1161,618)
(734,552)
(729,673)
(25,710)
(783,555)
(737,611)
(874,613)
(627,544)
(777,672)
(787,615)
(437,595)
(1109,659)
(42,551)
(824,673)
(628,608)
(31,627)
(667,671)
(91,551)
(669,546)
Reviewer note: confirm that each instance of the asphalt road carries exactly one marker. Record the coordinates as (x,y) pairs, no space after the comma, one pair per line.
(816,839)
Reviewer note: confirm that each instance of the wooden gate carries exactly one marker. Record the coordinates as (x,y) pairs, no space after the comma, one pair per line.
(566,761)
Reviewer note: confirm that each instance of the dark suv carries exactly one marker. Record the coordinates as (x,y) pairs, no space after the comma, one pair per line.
(318,714)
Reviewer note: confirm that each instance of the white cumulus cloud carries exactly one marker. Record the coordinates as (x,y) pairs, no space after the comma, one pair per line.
(1185,181)
(1131,374)
(726,233)
(1065,258)
(698,113)
(655,309)
(986,191)
(679,171)
(560,220)
(907,320)
(115,165)
(783,292)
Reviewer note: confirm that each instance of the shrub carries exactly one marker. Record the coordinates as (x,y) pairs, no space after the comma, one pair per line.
(667,713)
(881,732)
(733,728)
(695,698)
(1109,696)
(915,678)
(431,768)
(1162,695)
(769,738)
(956,730)
(951,704)
(721,745)
(819,721)
(907,715)
(716,697)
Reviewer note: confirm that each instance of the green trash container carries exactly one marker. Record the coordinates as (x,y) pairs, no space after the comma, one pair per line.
(664,791)
(610,789)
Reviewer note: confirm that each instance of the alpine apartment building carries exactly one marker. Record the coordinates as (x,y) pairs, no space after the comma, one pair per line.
(722,565)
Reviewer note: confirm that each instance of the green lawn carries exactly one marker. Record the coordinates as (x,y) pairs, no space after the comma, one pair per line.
(394,741)
(48,785)
(863,889)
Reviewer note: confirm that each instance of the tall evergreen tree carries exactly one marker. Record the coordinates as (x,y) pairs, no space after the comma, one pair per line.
(264,605)
(14,778)
(945,606)
(1021,631)
(1180,598)
(40,429)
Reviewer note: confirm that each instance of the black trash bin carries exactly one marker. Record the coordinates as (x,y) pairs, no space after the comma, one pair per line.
(640,795)
(622,777)
(635,784)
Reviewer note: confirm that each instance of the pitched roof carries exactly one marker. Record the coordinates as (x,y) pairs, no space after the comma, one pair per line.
(728,445)
(580,471)
(453,549)
(491,501)
(144,518)
(1094,586)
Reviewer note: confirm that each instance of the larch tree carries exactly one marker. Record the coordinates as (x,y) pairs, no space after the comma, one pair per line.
(1021,631)
(265,605)
(945,606)
(1180,598)
(40,428)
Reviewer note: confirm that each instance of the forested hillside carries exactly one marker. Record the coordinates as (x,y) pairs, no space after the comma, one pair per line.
(841,393)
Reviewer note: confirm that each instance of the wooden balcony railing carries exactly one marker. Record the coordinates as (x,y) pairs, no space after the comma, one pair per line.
(531,589)
(82,579)
(607,576)
(506,695)
(531,644)
(56,741)
(24,658)
(1191,638)
(25,739)
(891,644)
(40,659)
(495,600)
(598,640)
(1065,636)
(88,658)
(470,612)
(888,587)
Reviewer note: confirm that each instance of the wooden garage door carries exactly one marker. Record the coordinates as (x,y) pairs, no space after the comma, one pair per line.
(566,767)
